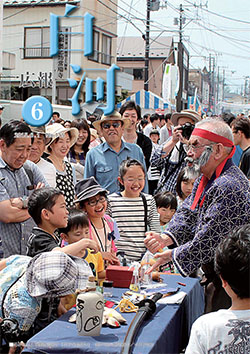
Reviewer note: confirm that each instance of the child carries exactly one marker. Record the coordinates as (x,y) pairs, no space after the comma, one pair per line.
(133,211)
(78,229)
(47,207)
(153,172)
(227,331)
(92,199)
(184,187)
(166,204)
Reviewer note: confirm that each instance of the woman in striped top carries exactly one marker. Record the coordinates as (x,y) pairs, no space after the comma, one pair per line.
(134,212)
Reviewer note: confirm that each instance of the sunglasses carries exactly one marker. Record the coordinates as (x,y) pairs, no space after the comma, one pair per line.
(109,125)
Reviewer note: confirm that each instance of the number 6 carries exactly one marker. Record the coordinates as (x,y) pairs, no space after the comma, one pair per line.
(34,111)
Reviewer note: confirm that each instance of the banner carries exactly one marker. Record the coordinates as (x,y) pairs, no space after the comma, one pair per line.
(166,83)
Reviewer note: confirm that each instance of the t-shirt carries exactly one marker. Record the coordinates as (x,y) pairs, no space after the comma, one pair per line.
(95,262)
(49,171)
(129,214)
(41,241)
(223,331)
(245,162)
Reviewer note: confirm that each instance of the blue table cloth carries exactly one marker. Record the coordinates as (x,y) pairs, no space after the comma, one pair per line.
(167,331)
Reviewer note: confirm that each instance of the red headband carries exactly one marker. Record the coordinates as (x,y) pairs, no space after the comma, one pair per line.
(206,134)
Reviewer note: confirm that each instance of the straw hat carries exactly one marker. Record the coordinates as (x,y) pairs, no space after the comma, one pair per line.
(87,188)
(56,274)
(114,116)
(56,130)
(94,133)
(186,113)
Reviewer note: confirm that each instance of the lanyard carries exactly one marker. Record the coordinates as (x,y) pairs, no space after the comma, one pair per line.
(97,235)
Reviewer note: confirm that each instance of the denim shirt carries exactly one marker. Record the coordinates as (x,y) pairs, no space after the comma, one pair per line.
(102,162)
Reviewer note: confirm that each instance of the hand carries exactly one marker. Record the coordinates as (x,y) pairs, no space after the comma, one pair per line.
(153,242)
(110,257)
(92,245)
(162,258)
(16,202)
(177,136)
(39,185)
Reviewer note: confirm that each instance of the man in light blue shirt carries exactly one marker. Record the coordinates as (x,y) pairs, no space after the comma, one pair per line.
(18,178)
(103,161)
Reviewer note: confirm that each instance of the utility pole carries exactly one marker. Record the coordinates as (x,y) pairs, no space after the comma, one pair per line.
(211,82)
(180,61)
(147,47)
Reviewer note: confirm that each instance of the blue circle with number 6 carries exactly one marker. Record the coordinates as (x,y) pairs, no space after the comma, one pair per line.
(37,111)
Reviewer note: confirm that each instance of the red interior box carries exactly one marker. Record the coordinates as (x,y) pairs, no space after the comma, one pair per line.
(120,275)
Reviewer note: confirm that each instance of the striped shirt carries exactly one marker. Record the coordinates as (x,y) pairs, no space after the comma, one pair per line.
(129,215)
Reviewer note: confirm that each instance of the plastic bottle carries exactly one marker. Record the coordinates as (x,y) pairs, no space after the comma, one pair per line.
(146,279)
(89,310)
(135,284)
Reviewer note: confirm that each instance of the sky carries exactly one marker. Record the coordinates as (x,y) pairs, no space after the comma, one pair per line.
(217,27)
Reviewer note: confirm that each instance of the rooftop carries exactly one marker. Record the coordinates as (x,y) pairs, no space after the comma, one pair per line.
(131,47)
(22,3)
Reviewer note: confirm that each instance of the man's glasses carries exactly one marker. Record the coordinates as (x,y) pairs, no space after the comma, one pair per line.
(195,148)
(109,125)
(94,202)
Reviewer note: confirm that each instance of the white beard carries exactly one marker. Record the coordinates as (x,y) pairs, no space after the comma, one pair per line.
(192,172)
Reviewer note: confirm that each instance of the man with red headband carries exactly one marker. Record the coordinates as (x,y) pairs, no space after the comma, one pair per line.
(218,204)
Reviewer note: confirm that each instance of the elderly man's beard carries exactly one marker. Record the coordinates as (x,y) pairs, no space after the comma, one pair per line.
(192,172)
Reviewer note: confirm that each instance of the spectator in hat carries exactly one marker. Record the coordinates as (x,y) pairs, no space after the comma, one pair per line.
(18,178)
(170,157)
(37,151)
(62,139)
(92,199)
(103,161)
(132,111)
(33,301)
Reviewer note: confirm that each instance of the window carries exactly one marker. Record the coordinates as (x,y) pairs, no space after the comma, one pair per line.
(95,55)
(36,42)
(106,49)
(138,73)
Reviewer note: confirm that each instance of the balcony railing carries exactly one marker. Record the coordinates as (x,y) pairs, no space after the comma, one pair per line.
(36,52)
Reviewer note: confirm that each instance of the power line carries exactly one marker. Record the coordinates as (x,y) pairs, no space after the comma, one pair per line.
(120,15)
(214,13)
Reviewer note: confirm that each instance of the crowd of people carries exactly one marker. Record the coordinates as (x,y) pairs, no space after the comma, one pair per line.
(121,185)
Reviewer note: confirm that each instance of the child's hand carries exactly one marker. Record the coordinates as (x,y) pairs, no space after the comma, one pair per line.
(111,258)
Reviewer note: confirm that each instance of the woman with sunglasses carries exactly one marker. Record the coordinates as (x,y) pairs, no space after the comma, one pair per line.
(92,199)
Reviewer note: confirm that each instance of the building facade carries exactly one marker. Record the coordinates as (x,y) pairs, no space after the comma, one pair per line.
(26,33)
